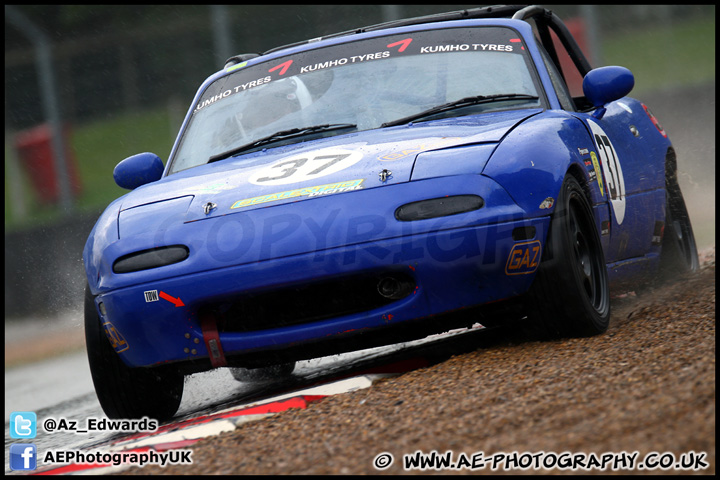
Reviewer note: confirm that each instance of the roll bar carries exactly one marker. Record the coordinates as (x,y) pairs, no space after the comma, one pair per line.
(545,20)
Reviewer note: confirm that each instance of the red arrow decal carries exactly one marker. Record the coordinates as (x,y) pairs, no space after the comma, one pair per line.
(176,301)
(404,44)
(283,66)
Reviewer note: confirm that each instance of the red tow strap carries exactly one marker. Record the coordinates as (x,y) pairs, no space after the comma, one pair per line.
(212,340)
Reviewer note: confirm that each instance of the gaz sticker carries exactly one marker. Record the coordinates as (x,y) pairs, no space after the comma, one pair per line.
(118,342)
(612,169)
(524,258)
(304,167)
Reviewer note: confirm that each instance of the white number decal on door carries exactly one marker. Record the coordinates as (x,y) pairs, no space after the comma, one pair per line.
(612,170)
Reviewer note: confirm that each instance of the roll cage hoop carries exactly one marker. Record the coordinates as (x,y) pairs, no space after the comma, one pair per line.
(545,20)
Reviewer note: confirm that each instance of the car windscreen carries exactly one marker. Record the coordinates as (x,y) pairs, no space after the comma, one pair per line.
(362,84)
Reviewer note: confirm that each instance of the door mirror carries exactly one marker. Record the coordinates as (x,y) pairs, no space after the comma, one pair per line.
(607,84)
(138,170)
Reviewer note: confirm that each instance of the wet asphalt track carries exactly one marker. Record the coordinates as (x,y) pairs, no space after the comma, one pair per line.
(61,388)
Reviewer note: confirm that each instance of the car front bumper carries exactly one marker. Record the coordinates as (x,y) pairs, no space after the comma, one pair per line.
(169,314)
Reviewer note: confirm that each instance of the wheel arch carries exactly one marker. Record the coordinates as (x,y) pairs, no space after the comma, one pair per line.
(538,154)
(582,178)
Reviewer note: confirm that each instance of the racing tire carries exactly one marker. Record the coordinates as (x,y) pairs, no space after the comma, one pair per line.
(126,392)
(261,374)
(678,254)
(570,295)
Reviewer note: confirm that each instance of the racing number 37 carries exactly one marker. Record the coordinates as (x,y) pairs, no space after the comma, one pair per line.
(305,166)
(612,170)
(291,166)
(606,151)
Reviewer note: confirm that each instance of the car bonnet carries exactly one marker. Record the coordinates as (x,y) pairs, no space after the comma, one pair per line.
(329,166)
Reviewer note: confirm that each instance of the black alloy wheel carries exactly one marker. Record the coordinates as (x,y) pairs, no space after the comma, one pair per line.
(570,296)
(126,392)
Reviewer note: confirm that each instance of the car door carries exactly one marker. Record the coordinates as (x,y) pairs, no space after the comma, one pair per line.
(630,181)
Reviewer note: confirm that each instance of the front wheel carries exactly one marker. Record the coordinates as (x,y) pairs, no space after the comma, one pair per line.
(126,392)
(570,296)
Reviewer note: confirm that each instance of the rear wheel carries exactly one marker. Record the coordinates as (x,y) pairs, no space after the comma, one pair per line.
(679,253)
(570,296)
(126,392)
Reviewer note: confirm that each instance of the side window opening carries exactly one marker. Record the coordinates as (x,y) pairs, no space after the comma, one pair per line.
(566,101)
(565,62)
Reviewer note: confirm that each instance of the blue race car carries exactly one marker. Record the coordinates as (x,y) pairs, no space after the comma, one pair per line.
(376,186)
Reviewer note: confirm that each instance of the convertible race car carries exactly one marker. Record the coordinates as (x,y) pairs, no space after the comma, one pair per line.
(376,186)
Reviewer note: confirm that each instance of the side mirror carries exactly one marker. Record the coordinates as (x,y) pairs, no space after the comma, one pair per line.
(138,170)
(607,84)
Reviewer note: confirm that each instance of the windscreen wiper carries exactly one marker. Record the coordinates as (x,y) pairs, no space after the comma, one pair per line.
(279,136)
(463,102)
